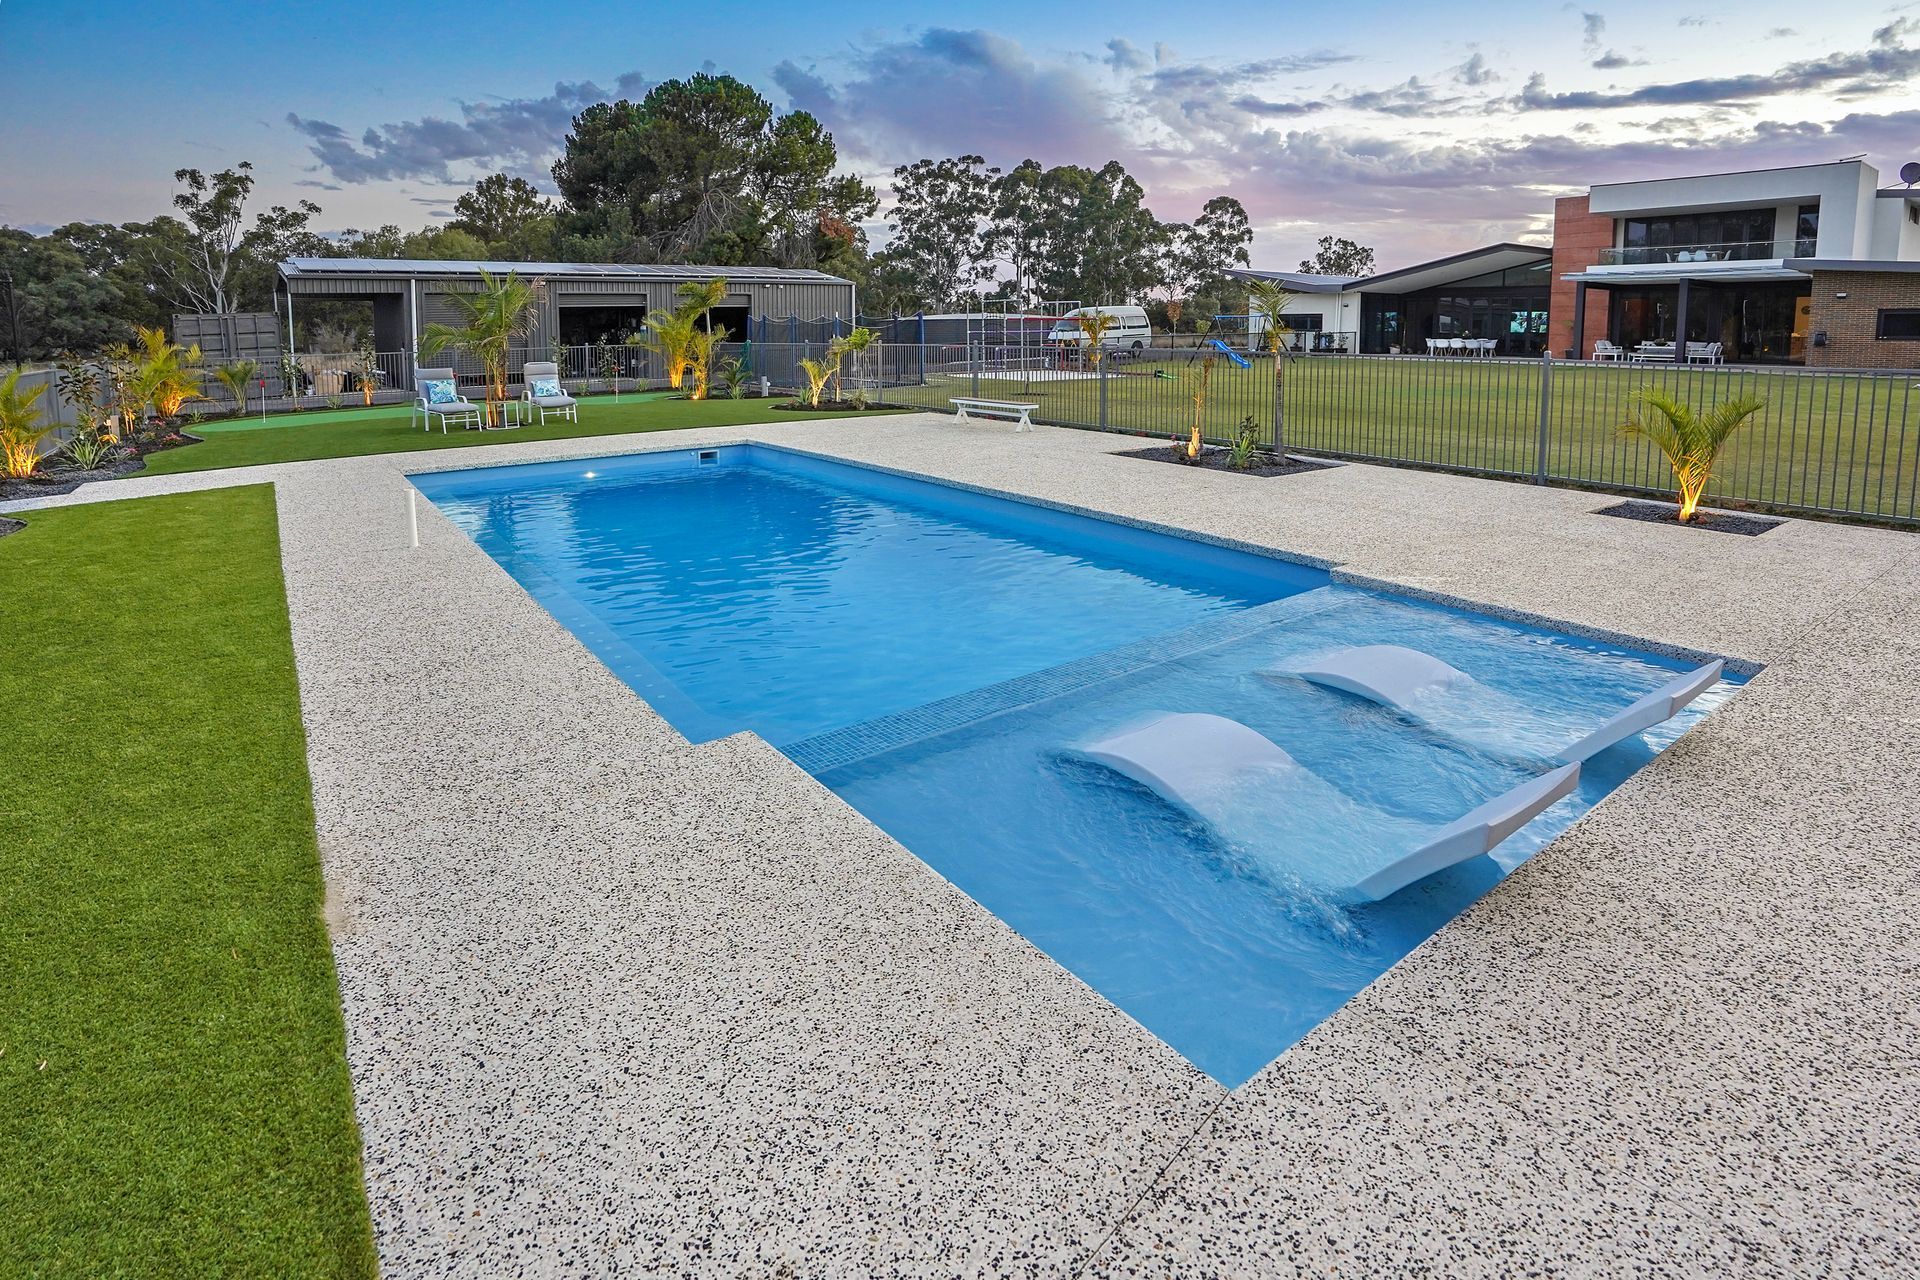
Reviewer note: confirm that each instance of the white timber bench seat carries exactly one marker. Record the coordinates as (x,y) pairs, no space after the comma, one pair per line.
(1021,414)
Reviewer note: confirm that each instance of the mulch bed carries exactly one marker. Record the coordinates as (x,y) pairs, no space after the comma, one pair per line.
(1711,521)
(837,406)
(9,525)
(54,479)
(1213,459)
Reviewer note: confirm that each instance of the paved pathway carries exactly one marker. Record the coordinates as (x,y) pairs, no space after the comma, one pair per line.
(620,1005)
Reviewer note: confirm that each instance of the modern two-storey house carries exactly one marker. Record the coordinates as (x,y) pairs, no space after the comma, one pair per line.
(1814,264)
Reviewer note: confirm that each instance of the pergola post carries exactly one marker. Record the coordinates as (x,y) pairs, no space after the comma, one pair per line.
(1680,325)
(1579,351)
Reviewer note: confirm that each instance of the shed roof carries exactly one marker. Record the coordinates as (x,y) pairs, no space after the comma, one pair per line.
(295,268)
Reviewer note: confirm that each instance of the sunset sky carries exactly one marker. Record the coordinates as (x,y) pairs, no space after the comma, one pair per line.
(1419,129)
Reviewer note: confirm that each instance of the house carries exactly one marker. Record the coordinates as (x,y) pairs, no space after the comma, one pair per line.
(1810,264)
(1498,293)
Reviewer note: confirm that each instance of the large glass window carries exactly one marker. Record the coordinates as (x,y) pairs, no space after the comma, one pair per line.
(1806,231)
(1731,233)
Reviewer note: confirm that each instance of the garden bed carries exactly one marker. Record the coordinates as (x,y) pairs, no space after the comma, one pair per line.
(1217,459)
(1711,521)
(832,406)
(55,477)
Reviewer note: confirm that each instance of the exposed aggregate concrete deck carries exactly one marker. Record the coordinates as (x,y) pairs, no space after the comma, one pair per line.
(620,1005)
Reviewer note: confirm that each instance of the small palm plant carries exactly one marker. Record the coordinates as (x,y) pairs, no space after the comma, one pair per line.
(503,309)
(820,372)
(733,377)
(856,344)
(1093,328)
(237,378)
(1691,442)
(20,428)
(1199,380)
(670,335)
(168,374)
(367,365)
(1271,301)
(700,359)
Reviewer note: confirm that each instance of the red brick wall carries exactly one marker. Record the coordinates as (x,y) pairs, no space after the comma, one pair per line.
(1850,322)
(1578,238)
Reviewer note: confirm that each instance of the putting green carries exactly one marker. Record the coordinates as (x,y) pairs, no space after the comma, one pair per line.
(364,413)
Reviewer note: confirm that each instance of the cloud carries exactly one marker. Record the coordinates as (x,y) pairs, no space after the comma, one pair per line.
(1887,66)
(1475,71)
(1123,56)
(993,99)
(1781,33)
(1592,27)
(518,135)
(1613,59)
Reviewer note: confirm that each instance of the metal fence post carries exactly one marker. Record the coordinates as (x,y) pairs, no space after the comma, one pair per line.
(974,351)
(1103,394)
(1546,412)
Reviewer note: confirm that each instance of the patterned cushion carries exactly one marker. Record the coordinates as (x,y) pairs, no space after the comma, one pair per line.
(441,391)
(545,388)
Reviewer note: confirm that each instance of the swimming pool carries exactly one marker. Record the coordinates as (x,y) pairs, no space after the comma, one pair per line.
(944,661)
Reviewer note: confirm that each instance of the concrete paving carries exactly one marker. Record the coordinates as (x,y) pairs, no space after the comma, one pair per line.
(621,1005)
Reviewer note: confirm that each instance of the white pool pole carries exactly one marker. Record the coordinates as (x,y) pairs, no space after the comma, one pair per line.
(413,516)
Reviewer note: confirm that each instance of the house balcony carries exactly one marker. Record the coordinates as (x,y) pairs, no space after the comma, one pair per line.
(1704,254)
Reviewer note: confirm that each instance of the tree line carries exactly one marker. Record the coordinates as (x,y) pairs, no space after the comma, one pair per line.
(699,170)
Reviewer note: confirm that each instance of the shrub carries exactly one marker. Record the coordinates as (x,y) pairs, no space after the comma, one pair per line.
(1691,442)
(20,428)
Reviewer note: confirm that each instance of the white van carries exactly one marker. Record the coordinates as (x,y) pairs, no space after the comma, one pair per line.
(1129,331)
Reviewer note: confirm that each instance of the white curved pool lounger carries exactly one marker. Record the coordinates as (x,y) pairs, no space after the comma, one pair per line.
(1220,771)
(1449,701)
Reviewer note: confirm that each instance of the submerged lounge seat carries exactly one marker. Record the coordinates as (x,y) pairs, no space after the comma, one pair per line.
(1448,700)
(1221,771)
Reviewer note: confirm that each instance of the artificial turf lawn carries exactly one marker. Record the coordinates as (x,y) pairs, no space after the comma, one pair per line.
(173,1086)
(327,435)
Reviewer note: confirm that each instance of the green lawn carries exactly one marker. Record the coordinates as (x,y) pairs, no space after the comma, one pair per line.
(1836,441)
(173,1086)
(352,432)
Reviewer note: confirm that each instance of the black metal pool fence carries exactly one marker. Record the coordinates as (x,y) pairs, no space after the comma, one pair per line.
(1830,441)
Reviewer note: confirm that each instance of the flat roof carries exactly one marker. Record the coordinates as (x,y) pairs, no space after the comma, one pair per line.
(1849,264)
(294,268)
(1672,273)
(1730,173)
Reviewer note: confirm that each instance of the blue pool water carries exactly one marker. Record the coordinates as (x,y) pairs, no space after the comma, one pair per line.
(940,658)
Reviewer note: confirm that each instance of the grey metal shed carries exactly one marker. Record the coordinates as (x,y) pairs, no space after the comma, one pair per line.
(584,303)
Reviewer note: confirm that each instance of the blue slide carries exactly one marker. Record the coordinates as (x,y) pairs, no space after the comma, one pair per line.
(1229,353)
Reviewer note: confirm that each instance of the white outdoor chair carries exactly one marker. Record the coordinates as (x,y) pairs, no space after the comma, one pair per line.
(546,393)
(1436,346)
(1458,346)
(1704,352)
(1604,350)
(457,410)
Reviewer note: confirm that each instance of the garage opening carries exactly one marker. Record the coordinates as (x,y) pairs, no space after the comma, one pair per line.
(733,314)
(600,323)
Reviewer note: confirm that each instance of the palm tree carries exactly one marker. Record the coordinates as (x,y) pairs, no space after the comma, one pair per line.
(1690,441)
(503,309)
(237,378)
(20,429)
(700,347)
(1093,327)
(1271,301)
(168,375)
(856,344)
(819,372)
(670,335)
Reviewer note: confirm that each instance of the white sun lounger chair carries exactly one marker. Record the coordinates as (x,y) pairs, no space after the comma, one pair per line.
(546,393)
(1210,766)
(1424,689)
(458,409)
